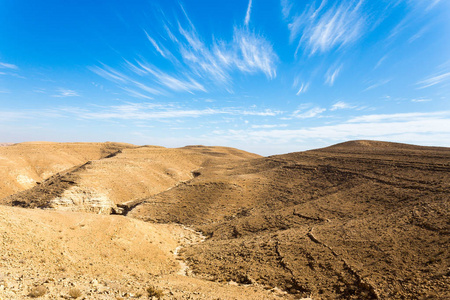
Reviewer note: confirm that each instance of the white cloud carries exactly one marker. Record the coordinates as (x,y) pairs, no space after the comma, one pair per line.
(175,84)
(434,80)
(158,111)
(266,126)
(66,93)
(380,61)
(286,7)
(109,74)
(136,94)
(431,128)
(311,113)
(149,115)
(247,15)
(197,64)
(341,105)
(399,117)
(377,84)
(8,116)
(332,74)
(147,88)
(431,4)
(254,53)
(303,88)
(419,34)
(8,66)
(421,100)
(157,47)
(266,113)
(326,27)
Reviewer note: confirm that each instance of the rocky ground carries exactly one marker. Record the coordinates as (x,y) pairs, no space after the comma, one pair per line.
(361,220)
(66,255)
(358,220)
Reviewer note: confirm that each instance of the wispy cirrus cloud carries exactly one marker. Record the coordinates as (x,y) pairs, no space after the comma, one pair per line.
(4,65)
(300,85)
(400,117)
(136,94)
(110,74)
(62,93)
(417,9)
(341,105)
(420,100)
(303,88)
(29,114)
(159,111)
(321,28)
(308,113)
(161,49)
(263,113)
(434,80)
(197,65)
(176,84)
(267,126)
(247,15)
(125,81)
(253,53)
(332,74)
(377,84)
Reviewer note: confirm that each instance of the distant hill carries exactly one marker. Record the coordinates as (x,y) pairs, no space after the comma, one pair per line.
(127,175)
(24,164)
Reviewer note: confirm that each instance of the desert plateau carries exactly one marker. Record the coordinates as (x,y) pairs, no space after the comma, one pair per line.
(357,220)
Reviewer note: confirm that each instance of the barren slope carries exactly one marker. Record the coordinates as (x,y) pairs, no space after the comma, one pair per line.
(121,179)
(24,164)
(359,220)
(104,257)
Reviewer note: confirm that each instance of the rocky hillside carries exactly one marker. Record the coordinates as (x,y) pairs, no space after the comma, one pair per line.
(24,165)
(116,181)
(48,254)
(359,220)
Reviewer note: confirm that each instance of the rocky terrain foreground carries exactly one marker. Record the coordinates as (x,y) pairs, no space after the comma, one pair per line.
(357,220)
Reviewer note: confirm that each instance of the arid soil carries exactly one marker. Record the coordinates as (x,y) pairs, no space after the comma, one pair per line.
(122,177)
(101,257)
(358,220)
(23,165)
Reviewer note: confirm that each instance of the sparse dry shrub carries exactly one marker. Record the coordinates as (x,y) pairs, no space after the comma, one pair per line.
(155,292)
(75,293)
(38,291)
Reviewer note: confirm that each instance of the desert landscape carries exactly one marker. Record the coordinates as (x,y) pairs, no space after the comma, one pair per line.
(225,150)
(357,220)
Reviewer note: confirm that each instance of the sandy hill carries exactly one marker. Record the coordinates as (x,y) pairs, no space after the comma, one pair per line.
(126,176)
(360,220)
(24,164)
(357,220)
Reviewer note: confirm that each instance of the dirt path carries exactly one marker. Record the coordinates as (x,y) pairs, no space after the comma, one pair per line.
(190,237)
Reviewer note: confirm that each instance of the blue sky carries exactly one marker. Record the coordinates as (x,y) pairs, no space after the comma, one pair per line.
(271,76)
